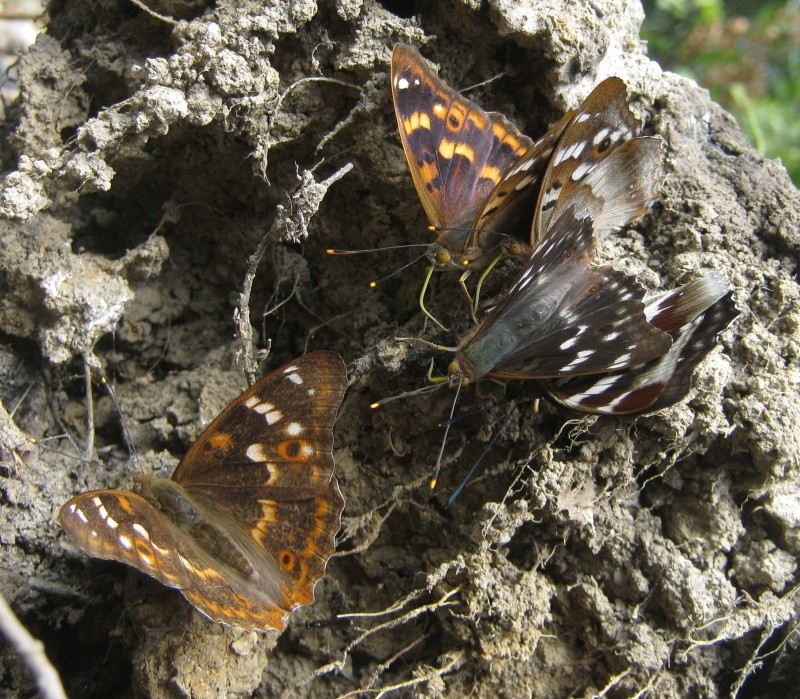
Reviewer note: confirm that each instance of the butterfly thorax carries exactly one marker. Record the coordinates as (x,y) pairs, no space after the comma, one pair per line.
(170,498)
(188,513)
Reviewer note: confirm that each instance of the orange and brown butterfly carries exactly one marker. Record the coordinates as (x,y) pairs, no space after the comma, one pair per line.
(457,154)
(480,180)
(246,525)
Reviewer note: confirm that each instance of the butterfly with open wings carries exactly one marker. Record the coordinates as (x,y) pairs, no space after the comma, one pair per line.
(246,525)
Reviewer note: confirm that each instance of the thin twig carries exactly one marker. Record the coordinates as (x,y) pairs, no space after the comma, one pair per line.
(88,450)
(443,601)
(153,13)
(31,650)
(385,665)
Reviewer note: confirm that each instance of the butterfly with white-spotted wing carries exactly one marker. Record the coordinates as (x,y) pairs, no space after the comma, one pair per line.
(246,525)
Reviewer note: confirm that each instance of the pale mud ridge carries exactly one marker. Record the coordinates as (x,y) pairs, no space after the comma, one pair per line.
(629,557)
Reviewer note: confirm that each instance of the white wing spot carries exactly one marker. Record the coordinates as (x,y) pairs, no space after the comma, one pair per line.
(523,183)
(599,136)
(583,355)
(569,343)
(141,531)
(111,522)
(94,533)
(273,416)
(580,171)
(255,452)
(97,501)
(311,392)
(600,386)
(80,514)
(402,84)
(102,511)
(621,361)
(293,429)
(295,378)
(125,541)
(268,410)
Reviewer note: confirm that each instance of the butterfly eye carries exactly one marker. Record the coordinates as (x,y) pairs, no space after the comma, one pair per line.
(453,368)
(515,249)
(443,257)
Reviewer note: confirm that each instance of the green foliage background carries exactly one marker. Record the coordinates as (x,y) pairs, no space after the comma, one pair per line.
(746,54)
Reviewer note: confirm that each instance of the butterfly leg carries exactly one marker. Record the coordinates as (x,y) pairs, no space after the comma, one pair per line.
(422,297)
(474,307)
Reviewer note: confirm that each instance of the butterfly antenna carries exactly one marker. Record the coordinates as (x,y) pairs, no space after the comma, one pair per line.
(334,251)
(477,463)
(375,283)
(449,422)
(407,394)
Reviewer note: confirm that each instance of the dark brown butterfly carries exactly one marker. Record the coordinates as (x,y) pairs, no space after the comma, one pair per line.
(562,317)
(245,526)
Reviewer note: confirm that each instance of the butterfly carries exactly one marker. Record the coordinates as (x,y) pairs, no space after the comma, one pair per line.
(585,334)
(479,179)
(246,525)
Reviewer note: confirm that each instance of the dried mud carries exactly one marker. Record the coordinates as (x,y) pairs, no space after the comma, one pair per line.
(144,162)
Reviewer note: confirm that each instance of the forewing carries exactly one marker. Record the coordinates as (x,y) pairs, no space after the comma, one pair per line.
(457,153)
(275,441)
(601,124)
(565,317)
(694,315)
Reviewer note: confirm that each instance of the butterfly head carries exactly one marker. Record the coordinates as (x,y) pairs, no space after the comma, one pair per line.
(444,259)
(461,372)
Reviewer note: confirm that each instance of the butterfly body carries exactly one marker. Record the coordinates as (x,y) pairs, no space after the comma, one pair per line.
(246,524)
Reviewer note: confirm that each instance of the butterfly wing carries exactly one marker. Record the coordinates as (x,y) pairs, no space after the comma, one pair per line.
(457,153)
(601,124)
(125,527)
(511,202)
(266,463)
(621,188)
(563,316)
(694,315)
